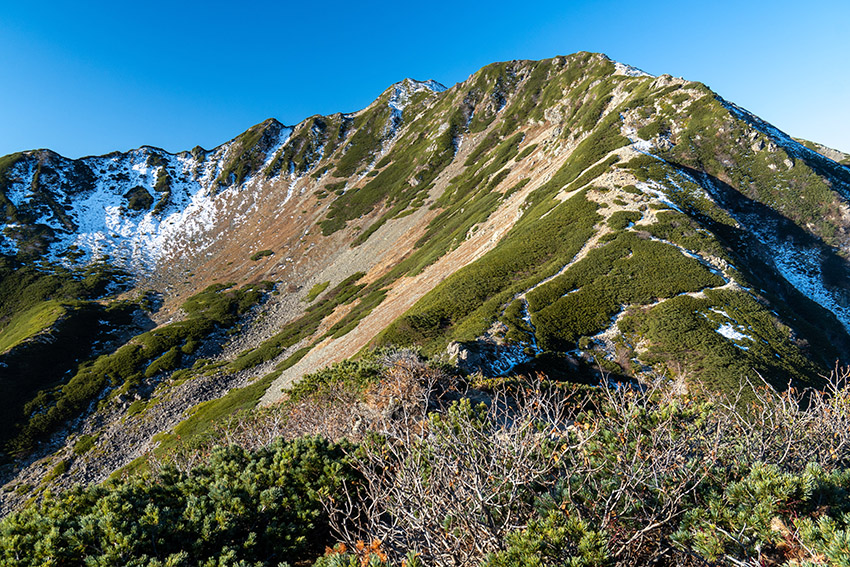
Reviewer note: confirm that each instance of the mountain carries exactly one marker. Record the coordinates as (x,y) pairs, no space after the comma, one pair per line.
(573,216)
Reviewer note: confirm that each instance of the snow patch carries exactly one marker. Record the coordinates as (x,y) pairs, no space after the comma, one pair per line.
(639,144)
(274,152)
(18,191)
(526,317)
(629,71)
(732,333)
(643,146)
(658,191)
(188,214)
(508,357)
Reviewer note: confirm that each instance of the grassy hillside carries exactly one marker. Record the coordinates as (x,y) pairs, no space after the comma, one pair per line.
(27,324)
(41,402)
(51,319)
(639,251)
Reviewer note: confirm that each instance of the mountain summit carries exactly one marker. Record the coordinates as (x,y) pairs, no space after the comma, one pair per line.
(572,216)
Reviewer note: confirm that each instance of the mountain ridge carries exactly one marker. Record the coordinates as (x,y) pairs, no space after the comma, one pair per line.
(571,216)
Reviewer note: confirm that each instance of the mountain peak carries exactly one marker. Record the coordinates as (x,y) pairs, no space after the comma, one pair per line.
(402,91)
(629,71)
(416,85)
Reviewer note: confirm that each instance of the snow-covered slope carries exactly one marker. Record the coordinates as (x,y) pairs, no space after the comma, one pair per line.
(146,207)
(138,208)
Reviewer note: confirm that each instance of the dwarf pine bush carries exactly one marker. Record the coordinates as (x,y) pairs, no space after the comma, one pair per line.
(239,508)
(525,473)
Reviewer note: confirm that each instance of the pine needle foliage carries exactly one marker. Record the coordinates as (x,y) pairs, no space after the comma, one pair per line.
(523,473)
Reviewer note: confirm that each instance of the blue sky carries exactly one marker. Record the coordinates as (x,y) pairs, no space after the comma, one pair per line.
(87,78)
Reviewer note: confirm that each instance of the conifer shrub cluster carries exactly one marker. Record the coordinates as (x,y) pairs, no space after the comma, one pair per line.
(248,153)
(428,470)
(317,136)
(679,228)
(401,179)
(627,270)
(621,220)
(467,302)
(684,329)
(761,175)
(261,254)
(239,508)
(365,142)
(316,290)
(138,199)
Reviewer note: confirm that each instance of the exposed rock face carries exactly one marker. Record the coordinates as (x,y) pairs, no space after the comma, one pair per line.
(487,357)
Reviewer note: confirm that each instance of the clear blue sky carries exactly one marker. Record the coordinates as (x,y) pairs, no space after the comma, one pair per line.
(91,77)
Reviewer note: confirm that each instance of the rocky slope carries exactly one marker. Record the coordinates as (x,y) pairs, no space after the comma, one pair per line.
(571,216)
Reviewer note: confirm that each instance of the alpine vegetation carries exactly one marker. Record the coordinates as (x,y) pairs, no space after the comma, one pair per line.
(562,312)
(392,460)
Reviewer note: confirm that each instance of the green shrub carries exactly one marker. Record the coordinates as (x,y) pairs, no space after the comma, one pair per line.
(316,290)
(682,332)
(364,143)
(73,306)
(359,373)
(164,363)
(137,407)
(190,346)
(293,359)
(632,474)
(317,136)
(57,471)
(27,323)
(653,129)
(157,350)
(248,153)
(593,173)
(345,292)
(527,151)
(624,271)
(138,199)
(553,540)
(261,254)
(466,303)
(620,220)
(84,444)
(240,508)
(761,509)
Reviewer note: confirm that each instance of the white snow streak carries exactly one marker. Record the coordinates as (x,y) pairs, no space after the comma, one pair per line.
(629,71)
(105,226)
(730,332)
